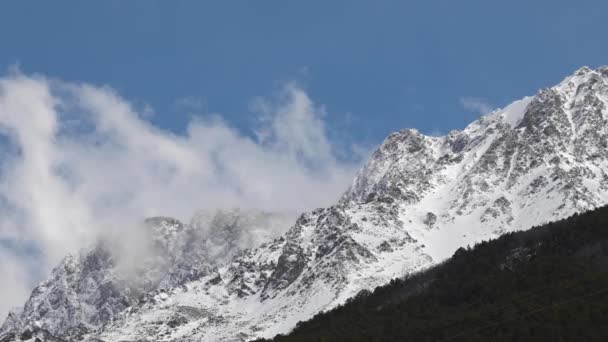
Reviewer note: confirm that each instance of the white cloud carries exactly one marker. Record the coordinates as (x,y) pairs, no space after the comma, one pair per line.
(476,105)
(79,160)
(16,281)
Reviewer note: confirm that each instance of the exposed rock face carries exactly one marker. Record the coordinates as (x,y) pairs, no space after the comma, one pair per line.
(415,202)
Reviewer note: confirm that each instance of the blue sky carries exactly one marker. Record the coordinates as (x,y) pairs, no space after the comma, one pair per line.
(375,66)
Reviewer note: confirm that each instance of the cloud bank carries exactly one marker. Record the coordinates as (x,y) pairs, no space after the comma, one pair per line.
(77,160)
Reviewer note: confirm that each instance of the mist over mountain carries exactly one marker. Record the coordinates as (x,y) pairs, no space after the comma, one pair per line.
(80,163)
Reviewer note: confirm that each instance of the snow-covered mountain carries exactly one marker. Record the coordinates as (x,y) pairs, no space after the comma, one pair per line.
(87,290)
(413,204)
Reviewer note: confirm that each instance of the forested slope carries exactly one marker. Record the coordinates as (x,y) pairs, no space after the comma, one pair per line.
(549,283)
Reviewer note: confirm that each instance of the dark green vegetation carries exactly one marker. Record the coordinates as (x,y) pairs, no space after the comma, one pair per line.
(549,283)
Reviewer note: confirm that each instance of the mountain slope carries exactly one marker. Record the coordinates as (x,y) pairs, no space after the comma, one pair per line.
(549,283)
(415,202)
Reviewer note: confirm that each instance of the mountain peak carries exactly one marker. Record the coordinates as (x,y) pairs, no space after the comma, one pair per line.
(583,70)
